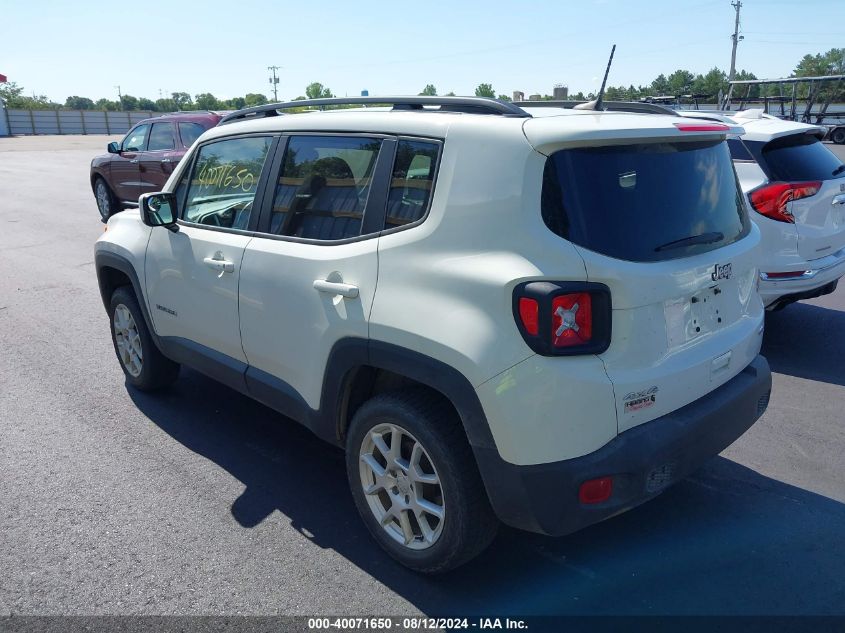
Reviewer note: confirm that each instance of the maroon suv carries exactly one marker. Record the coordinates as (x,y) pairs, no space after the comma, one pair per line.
(145,158)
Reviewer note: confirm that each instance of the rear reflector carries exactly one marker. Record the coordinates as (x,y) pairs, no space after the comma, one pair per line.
(798,273)
(596,490)
(771,200)
(702,127)
(529,314)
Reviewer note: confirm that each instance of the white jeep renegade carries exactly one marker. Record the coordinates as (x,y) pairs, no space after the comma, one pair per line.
(534,315)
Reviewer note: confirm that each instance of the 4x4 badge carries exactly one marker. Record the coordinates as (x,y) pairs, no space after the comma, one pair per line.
(721,272)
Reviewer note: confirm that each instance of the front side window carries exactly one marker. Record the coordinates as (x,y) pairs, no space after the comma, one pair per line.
(645,202)
(224,182)
(411,182)
(322,190)
(136,140)
(161,137)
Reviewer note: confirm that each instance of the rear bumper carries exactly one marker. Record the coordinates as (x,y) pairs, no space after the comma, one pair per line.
(819,278)
(643,461)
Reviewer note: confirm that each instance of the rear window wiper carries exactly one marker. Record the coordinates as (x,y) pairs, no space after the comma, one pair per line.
(704,238)
(838,170)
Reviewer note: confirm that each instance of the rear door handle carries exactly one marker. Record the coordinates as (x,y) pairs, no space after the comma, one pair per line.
(166,160)
(336,288)
(840,199)
(220,265)
(133,161)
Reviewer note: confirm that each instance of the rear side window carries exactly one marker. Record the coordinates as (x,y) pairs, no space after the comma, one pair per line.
(190,132)
(738,150)
(224,182)
(161,137)
(800,157)
(323,187)
(411,183)
(645,202)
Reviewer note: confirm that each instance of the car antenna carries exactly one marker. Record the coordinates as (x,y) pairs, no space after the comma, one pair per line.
(596,104)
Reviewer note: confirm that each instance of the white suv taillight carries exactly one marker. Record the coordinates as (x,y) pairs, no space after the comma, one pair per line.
(563,318)
(772,199)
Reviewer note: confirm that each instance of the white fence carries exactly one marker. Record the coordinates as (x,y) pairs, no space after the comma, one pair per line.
(71,121)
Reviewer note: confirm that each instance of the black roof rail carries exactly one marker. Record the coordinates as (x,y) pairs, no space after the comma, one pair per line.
(470,105)
(613,106)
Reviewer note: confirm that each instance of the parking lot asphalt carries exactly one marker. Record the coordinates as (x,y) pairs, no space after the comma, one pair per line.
(200,501)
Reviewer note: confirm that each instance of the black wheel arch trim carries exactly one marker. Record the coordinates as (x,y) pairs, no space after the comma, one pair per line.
(104,260)
(347,356)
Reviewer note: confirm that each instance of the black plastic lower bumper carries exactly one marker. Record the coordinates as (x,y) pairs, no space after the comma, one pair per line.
(782,302)
(643,461)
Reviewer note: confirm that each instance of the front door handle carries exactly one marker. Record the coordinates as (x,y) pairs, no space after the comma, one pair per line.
(133,161)
(219,264)
(336,288)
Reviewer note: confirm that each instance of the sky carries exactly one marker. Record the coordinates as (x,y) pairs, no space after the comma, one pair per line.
(88,48)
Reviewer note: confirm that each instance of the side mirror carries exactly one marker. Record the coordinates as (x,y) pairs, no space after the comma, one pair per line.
(113,147)
(159,209)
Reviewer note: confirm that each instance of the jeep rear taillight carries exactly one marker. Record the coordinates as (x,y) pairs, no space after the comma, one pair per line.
(563,318)
(771,200)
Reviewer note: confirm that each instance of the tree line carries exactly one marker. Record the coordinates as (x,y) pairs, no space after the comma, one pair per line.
(712,83)
(680,82)
(13,96)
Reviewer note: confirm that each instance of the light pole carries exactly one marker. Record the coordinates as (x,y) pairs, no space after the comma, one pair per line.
(275,82)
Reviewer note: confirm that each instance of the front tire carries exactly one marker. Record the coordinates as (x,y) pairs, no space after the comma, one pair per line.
(838,135)
(144,366)
(106,202)
(415,481)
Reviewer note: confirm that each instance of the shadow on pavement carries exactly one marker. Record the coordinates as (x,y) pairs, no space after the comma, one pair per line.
(725,541)
(806,341)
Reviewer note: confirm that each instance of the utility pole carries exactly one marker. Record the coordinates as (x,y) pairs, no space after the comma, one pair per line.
(275,81)
(119,97)
(736,37)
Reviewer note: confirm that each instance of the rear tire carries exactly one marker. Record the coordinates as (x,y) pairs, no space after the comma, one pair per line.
(431,478)
(144,366)
(107,204)
(838,136)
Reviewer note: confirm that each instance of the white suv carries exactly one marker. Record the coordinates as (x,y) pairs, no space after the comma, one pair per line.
(796,187)
(533,315)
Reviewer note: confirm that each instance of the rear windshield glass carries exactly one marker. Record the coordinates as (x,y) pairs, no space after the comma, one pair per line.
(801,157)
(645,202)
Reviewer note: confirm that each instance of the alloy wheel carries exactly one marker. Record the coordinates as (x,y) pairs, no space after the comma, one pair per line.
(103,199)
(402,487)
(128,340)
